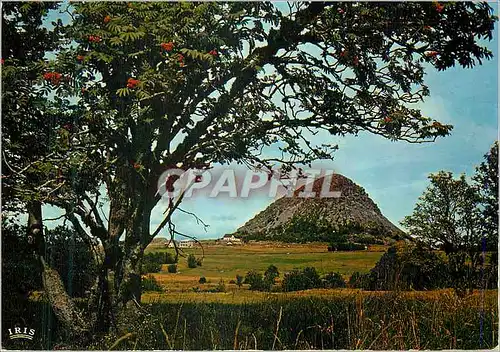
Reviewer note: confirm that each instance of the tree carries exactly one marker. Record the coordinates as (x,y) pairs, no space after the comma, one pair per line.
(486,182)
(195,84)
(271,274)
(72,258)
(36,153)
(191,261)
(255,280)
(447,216)
(297,280)
(334,280)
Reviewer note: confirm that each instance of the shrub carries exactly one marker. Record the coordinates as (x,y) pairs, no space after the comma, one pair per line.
(239,280)
(312,276)
(409,267)
(297,280)
(346,246)
(202,280)
(491,271)
(191,261)
(169,258)
(334,280)
(358,280)
(151,262)
(271,274)
(172,268)
(254,280)
(149,283)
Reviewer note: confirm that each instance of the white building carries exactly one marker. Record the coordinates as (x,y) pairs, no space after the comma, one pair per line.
(231,239)
(186,244)
(170,244)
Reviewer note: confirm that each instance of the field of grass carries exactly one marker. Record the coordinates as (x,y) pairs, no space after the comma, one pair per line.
(343,320)
(225,262)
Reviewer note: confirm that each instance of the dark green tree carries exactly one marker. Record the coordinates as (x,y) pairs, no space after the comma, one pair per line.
(191,261)
(486,182)
(448,216)
(271,274)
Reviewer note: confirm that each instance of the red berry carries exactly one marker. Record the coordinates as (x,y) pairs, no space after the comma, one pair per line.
(439,7)
(132,83)
(167,46)
(107,19)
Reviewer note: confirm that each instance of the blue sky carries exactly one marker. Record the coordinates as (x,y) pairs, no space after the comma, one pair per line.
(394,174)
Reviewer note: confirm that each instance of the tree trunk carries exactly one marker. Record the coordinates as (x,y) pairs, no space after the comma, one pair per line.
(62,305)
(136,240)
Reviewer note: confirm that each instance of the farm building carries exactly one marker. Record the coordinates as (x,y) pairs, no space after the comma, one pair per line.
(170,244)
(229,238)
(186,244)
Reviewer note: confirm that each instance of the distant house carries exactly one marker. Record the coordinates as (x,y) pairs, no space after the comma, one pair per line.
(187,244)
(170,244)
(230,239)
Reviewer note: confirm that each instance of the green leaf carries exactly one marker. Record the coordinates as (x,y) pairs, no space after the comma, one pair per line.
(122,92)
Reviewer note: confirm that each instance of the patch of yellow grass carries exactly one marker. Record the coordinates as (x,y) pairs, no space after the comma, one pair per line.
(242,295)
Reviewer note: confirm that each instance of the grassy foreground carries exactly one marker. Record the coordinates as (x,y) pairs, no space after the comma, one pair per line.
(343,320)
(436,320)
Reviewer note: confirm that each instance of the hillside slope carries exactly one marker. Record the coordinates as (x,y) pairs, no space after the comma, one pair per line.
(294,219)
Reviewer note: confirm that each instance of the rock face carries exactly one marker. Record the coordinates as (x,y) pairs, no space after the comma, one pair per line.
(296,219)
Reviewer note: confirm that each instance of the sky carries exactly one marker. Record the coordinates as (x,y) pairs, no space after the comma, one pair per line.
(394,174)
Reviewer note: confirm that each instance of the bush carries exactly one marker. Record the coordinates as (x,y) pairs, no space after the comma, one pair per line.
(271,274)
(297,280)
(169,258)
(191,261)
(255,280)
(333,280)
(491,271)
(151,262)
(358,280)
(409,267)
(346,246)
(172,268)
(149,283)
(202,280)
